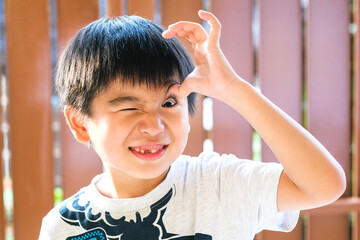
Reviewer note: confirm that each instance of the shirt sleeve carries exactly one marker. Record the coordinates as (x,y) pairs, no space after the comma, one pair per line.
(269,217)
(247,191)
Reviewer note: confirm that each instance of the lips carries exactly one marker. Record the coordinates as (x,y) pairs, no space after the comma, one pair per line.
(149,152)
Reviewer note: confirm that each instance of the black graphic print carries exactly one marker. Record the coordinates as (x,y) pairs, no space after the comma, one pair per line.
(150,227)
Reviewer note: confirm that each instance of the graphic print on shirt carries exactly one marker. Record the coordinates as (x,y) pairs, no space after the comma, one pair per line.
(102,226)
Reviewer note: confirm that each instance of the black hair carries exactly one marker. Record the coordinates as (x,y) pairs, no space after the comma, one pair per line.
(129,49)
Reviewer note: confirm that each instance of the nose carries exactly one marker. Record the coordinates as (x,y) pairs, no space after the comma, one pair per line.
(151,125)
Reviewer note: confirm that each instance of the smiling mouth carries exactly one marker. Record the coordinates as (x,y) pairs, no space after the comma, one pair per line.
(148,148)
(149,152)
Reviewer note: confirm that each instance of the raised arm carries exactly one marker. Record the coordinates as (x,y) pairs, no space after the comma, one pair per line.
(311,176)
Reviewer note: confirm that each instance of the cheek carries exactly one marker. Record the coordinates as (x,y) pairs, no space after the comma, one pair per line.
(102,131)
(183,133)
(182,125)
(96,132)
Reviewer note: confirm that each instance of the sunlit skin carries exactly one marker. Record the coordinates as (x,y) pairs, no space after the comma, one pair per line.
(138,133)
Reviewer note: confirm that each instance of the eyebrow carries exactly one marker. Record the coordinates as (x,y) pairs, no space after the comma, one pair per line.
(122,99)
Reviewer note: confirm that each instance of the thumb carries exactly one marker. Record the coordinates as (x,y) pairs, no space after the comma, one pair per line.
(179,90)
(193,83)
(184,88)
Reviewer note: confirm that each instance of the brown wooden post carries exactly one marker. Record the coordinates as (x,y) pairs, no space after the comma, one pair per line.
(356,102)
(328,97)
(114,8)
(356,120)
(79,164)
(171,12)
(280,71)
(232,134)
(145,9)
(2,212)
(30,112)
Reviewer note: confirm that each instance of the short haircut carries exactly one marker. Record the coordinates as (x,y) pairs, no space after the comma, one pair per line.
(128,49)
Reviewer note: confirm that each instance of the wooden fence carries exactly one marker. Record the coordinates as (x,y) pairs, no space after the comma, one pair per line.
(304,55)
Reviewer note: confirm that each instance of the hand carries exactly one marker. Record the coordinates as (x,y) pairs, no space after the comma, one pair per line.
(212,74)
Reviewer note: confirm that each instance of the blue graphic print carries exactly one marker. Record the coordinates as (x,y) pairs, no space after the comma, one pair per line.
(103,226)
(92,235)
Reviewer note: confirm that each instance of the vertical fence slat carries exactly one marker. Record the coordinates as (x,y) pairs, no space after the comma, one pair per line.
(232,134)
(356,120)
(72,16)
(178,10)
(280,49)
(145,9)
(79,164)
(2,212)
(280,71)
(114,8)
(328,77)
(29,78)
(328,96)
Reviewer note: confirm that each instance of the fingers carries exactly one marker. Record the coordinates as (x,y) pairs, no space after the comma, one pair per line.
(215,25)
(194,32)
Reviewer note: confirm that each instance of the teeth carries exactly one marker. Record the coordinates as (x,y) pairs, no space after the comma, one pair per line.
(147,149)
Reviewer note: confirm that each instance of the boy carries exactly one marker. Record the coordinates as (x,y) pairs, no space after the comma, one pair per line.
(127,88)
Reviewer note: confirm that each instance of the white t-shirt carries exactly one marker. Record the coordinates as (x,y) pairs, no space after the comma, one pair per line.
(205,197)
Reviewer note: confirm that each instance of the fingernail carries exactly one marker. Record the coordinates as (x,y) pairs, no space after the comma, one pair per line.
(164,33)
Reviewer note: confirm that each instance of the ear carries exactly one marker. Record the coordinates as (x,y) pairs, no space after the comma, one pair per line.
(77,124)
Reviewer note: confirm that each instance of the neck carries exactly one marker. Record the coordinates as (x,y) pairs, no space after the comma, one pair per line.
(114,186)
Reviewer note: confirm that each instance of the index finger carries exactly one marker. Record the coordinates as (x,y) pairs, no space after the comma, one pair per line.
(186,29)
(215,25)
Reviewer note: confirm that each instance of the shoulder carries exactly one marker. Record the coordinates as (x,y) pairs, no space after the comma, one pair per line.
(56,221)
(215,161)
(219,167)
(228,167)
(51,224)
(225,169)
(197,165)
(206,159)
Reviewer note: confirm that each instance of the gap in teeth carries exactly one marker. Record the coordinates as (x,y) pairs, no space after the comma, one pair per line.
(145,151)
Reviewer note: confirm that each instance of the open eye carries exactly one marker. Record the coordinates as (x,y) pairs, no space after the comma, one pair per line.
(170,102)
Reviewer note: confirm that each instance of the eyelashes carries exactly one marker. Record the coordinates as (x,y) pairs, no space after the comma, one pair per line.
(128,109)
(171,101)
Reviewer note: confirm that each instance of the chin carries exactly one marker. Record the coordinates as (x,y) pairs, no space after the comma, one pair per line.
(149,174)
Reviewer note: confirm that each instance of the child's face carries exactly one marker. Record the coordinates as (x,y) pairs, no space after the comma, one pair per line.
(138,132)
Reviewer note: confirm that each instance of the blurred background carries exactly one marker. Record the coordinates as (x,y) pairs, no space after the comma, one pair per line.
(302,54)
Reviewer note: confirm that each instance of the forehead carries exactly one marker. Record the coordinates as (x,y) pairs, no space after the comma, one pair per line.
(121,89)
(143,90)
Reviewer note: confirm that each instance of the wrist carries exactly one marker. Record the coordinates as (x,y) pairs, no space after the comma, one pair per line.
(234,91)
